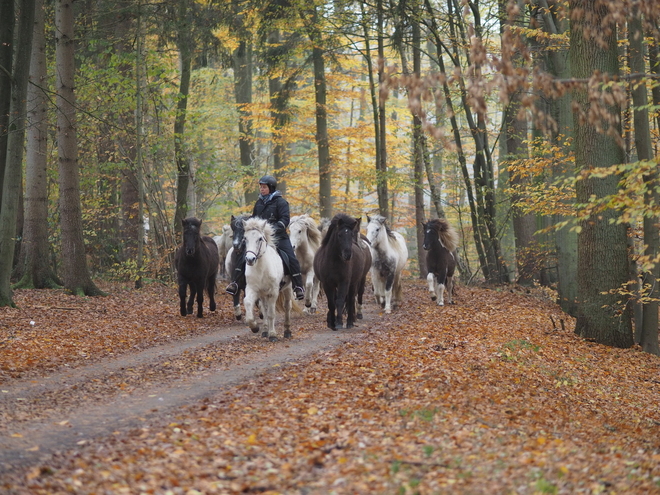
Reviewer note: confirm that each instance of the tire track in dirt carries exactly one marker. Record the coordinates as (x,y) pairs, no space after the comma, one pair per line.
(71,412)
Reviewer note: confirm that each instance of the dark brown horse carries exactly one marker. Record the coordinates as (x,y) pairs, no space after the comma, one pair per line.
(440,242)
(341,264)
(196,262)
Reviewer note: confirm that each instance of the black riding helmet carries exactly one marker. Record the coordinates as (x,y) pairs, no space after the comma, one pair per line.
(270,181)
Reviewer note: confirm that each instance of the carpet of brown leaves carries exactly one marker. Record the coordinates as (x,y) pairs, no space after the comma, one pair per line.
(485,396)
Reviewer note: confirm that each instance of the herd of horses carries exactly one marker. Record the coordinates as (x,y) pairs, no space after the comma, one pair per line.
(335,258)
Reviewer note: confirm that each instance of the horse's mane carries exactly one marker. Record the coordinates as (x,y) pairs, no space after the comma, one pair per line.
(339,218)
(446,232)
(262,226)
(237,221)
(313,231)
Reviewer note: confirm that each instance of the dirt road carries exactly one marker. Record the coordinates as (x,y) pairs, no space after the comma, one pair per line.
(80,406)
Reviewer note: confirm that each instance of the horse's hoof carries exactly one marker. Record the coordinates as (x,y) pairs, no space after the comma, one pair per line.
(200,315)
(264,334)
(359,316)
(273,339)
(238,317)
(388,311)
(433,298)
(255,330)
(287,334)
(212,307)
(308,305)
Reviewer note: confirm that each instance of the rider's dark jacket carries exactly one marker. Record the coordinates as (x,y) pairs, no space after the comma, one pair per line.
(275,209)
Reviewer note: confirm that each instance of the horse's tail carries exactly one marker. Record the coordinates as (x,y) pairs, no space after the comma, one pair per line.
(279,304)
(448,235)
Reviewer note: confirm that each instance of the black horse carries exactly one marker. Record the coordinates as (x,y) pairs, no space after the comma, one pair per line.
(236,257)
(440,242)
(196,262)
(341,264)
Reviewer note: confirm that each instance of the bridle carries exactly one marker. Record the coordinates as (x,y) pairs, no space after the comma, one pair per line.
(258,254)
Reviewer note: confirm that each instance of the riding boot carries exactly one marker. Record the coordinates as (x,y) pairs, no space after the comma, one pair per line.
(233,288)
(298,289)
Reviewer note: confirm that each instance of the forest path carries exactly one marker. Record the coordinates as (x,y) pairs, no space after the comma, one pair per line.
(78,406)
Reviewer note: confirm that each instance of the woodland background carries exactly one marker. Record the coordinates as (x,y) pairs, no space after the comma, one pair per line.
(532,126)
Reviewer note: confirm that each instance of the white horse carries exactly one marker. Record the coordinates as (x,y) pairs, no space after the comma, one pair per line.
(306,238)
(223,242)
(390,254)
(264,271)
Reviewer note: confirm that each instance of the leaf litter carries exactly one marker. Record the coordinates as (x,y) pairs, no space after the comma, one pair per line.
(485,396)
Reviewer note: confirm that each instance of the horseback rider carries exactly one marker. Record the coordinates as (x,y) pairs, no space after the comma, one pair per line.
(272,207)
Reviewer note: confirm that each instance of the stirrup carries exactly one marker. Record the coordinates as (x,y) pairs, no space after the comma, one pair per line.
(299,292)
(232,289)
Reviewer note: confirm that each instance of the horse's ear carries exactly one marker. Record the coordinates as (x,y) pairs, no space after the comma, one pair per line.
(359,222)
(233,218)
(368,219)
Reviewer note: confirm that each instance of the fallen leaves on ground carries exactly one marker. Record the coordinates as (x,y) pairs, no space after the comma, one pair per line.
(485,396)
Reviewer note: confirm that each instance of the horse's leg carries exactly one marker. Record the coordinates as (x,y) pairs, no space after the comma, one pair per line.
(440,288)
(360,295)
(388,292)
(342,292)
(249,301)
(191,299)
(237,305)
(288,297)
(269,318)
(309,288)
(199,287)
(182,298)
(315,297)
(450,289)
(211,292)
(430,278)
(350,307)
(330,317)
(397,291)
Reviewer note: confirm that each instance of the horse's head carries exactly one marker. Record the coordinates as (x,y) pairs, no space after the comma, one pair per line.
(429,235)
(238,231)
(346,230)
(259,234)
(191,235)
(375,225)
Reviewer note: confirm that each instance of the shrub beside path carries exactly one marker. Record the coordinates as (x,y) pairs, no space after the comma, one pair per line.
(490,395)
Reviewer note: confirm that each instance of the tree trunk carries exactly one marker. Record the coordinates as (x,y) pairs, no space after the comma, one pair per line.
(12,183)
(322,140)
(34,270)
(6,57)
(242,60)
(648,333)
(184,44)
(381,165)
(602,242)
(76,276)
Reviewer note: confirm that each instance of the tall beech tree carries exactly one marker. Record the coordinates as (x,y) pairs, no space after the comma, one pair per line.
(34,268)
(13,170)
(76,274)
(603,314)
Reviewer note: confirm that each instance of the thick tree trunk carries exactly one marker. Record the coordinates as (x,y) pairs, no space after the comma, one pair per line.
(76,276)
(647,329)
(34,270)
(12,183)
(603,313)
